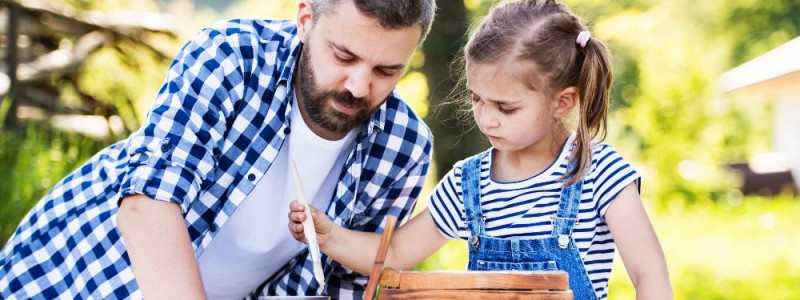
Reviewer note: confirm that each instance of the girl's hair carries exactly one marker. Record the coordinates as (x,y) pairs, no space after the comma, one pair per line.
(544,33)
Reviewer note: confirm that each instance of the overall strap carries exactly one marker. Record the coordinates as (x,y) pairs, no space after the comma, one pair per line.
(567,215)
(471,193)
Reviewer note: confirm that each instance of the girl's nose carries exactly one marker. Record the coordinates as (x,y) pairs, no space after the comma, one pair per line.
(486,119)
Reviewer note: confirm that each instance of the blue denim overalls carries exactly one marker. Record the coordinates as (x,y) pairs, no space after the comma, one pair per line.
(557,252)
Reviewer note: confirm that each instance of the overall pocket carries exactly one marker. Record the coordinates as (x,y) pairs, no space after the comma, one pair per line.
(483,265)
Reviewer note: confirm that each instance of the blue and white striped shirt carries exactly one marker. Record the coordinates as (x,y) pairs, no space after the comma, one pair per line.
(522,209)
(216,125)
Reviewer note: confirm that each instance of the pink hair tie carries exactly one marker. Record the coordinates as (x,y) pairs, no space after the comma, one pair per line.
(583,38)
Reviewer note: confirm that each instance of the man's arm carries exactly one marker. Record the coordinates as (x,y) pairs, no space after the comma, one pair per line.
(158,245)
(171,158)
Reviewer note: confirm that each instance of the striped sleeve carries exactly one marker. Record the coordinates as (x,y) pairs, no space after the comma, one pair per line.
(611,173)
(446,206)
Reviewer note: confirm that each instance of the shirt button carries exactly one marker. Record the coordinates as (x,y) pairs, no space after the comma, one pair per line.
(287,130)
(166,147)
(251,177)
(213,227)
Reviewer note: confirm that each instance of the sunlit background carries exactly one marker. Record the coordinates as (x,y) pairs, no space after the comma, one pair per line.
(706,103)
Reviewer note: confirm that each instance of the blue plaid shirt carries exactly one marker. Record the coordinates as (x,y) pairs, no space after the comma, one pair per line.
(216,126)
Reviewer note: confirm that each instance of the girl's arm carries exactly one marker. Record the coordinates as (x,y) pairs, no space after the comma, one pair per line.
(411,243)
(638,245)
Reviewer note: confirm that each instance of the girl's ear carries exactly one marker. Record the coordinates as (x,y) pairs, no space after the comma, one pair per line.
(565,101)
(304,19)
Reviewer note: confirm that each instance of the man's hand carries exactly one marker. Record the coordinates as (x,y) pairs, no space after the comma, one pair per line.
(323,225)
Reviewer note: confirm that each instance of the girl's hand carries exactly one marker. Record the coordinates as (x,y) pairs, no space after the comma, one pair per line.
(323,225)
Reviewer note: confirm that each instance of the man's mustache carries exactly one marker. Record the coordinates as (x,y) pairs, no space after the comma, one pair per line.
(345,97)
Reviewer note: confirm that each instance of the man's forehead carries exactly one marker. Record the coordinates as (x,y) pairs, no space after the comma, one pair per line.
(363,37)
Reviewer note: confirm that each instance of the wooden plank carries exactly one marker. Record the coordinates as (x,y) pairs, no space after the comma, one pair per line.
(487,280)
(473,294)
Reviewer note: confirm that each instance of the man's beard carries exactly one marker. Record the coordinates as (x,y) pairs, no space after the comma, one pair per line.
(317,101)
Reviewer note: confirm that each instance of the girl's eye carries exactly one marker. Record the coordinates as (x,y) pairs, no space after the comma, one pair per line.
(507,111)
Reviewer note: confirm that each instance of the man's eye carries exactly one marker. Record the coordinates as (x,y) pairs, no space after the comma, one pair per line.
(384,73)
(342,59)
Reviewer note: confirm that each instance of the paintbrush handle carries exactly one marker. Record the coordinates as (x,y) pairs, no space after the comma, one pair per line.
(380,258)
(309,230)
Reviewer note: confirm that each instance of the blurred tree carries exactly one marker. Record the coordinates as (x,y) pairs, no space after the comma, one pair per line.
(669,112)
(759,26)
(455,136)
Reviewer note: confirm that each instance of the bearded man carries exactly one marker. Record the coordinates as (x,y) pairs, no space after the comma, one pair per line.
(193,205)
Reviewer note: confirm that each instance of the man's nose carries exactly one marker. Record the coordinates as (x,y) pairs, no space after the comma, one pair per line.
(358,83)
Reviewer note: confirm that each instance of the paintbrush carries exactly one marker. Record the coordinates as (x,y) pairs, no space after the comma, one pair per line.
(309,230)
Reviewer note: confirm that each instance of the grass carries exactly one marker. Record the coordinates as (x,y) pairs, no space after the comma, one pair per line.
(732,250)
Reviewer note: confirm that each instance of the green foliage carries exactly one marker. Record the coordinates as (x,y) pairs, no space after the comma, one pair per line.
(736,249)
(33,160)
(755,27)
(668,113)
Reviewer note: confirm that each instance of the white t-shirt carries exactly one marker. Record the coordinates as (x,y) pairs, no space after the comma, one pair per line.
(255,242)
(522,209)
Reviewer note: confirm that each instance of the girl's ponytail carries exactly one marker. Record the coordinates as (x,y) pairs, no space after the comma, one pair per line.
(594,83)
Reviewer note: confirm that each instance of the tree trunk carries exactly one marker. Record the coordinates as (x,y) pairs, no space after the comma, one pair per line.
(12,34)
(455,137)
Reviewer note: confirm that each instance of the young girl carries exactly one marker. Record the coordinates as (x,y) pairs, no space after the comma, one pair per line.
(543,197)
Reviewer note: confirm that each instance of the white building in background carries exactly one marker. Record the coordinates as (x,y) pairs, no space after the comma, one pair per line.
(774,76)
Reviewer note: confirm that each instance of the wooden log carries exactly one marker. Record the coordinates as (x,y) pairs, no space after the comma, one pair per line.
(62,60)
(125,26)
(118,20)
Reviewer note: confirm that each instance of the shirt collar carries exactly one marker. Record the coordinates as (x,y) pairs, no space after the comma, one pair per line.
(293,45)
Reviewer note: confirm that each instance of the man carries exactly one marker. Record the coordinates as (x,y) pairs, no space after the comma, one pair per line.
(194,204)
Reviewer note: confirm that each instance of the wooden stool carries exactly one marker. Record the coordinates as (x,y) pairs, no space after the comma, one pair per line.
(495,285)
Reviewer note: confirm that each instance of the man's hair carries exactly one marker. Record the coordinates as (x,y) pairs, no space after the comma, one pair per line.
(391,14)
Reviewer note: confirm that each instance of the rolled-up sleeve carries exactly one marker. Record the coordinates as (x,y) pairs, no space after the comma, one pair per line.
(173,153)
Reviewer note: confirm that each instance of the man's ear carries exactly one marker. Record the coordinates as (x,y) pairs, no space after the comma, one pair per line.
(305,21)
(565,101)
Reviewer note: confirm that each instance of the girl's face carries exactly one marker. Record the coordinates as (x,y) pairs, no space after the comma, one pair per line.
(513,116)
